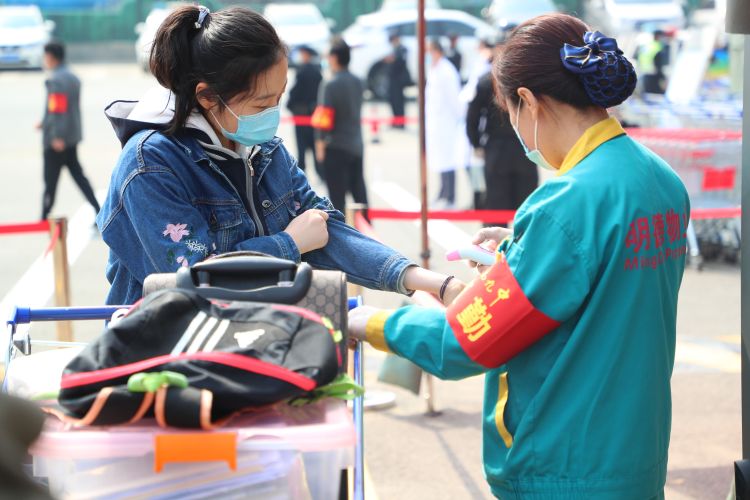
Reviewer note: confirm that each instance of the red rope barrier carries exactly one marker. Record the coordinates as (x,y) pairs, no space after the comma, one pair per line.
(715,213)
(503,216)
(373,122)
(497,216)
(25,227)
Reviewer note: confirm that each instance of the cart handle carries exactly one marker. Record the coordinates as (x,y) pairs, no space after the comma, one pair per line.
(25,315)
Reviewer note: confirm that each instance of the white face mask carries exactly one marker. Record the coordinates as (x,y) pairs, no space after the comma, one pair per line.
(535,155)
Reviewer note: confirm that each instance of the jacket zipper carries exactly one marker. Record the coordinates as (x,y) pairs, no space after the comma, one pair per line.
(249,188)
(222,358)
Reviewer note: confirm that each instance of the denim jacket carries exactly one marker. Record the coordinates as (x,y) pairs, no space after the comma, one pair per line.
(169,205)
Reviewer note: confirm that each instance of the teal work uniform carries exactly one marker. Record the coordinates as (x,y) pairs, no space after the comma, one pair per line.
(573,327)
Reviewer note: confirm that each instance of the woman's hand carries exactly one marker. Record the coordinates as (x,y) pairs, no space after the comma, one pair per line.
(358,318)
(309,230)
(489,238)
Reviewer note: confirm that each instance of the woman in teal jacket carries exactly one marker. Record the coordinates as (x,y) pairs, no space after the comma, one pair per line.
(574,325)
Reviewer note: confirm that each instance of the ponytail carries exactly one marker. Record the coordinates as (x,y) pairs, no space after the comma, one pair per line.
(228,50)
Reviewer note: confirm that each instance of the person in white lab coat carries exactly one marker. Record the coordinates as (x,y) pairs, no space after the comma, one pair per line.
(443,113)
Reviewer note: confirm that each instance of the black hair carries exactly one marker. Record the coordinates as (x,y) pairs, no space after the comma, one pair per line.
(341,51)
(435,44)
(228,51)
(55,49)
(531,58)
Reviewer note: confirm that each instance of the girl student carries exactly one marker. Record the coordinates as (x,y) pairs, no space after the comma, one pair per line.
(202,172)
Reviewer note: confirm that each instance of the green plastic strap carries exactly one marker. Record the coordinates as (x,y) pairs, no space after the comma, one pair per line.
(342,387)
(153,381)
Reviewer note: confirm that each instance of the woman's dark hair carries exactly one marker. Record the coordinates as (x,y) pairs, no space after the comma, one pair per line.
(229,50)
(435,44)
(531,58)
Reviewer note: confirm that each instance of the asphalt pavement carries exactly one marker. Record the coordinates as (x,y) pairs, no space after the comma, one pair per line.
(408,454)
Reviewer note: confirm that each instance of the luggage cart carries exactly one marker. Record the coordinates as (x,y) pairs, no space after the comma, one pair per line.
(17,342)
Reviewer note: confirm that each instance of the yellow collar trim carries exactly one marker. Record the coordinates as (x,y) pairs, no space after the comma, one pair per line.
(595,136)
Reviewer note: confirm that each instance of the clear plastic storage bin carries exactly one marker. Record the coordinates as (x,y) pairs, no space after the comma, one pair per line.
(279,453)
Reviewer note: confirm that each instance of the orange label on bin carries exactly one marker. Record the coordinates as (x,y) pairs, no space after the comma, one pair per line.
(195,447)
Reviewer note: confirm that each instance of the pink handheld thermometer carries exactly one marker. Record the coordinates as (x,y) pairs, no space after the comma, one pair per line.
(476,253)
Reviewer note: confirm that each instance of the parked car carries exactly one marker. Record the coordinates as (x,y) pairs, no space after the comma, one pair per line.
(625,17)
(368,38)
(300,24)
(23,33)
(146,31)
(507,14)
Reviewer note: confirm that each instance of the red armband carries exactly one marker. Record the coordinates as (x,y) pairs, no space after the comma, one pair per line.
(57,103)
(493,320)
(322,118)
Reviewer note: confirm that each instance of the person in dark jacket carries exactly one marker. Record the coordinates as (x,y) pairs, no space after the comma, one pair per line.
(339,142)
(453,54)
(512,176)
(61,128)
(302,101)
(398,79)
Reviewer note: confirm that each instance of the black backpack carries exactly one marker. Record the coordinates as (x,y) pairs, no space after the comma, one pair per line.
(193,362)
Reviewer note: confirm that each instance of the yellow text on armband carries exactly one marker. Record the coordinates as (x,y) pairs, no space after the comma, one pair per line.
(475,319)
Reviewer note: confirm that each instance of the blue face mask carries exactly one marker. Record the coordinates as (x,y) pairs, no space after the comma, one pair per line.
(253,129)
(534,156)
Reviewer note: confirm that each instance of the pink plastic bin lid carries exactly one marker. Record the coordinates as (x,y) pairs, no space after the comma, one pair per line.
(323,426)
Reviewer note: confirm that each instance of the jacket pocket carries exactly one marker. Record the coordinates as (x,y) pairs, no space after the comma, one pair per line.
(276,212)
(224,223)
(502,401)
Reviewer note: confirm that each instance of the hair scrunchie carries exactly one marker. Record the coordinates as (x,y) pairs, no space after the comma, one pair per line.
(203,12)
(606,74)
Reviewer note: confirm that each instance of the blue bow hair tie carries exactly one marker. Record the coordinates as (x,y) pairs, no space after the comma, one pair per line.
(586,59)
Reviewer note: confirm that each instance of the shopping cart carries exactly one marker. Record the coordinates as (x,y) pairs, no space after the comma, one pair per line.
(17,342)
(656,111)
(707,162)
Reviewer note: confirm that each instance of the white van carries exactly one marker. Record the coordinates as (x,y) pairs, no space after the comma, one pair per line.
(23,33)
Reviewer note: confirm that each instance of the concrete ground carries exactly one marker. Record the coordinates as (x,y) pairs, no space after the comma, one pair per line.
(408,454)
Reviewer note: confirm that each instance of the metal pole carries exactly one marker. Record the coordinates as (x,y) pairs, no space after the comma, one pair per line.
(421,38)
(421,34)
(745,280)
(59,228)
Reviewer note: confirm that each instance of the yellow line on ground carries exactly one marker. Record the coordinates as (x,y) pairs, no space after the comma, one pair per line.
(707,356)
(370,493)
(730,339)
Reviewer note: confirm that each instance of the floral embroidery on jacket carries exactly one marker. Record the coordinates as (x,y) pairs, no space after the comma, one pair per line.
(196,246)
(182,260)
(176,231)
